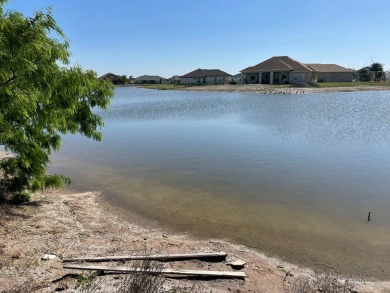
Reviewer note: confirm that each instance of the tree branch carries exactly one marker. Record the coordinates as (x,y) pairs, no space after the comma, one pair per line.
(11,79)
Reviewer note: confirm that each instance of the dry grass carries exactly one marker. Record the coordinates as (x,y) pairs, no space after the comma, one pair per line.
(323,282)
(147,280)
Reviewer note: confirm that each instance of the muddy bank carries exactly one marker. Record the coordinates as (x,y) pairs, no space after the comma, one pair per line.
(80,224)
(69,224)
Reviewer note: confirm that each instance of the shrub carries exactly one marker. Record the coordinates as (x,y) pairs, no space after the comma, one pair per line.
(85,282)
(147,280)
(19,198)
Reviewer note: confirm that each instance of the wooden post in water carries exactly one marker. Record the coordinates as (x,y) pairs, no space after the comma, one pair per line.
(369,216)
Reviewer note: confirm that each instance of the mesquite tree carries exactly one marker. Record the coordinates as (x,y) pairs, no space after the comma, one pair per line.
(41,97)
(377,68)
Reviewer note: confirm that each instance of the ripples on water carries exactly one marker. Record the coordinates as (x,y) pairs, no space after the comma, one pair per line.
(291,175)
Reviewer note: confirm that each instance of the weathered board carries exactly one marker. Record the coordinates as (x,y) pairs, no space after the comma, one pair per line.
(161,257)
(222,274)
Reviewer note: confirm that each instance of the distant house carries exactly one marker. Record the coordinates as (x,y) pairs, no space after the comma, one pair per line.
(206,76)
(283,69)
(115,79)
(237,78)
(332,73)
(150,79)
(174,79)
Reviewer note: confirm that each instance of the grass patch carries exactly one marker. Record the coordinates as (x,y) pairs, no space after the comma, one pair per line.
(325,283)
(148,280)
(353,84)
(339,84)
(167,86)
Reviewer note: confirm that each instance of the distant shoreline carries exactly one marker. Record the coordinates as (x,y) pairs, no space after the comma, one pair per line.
(266,89)
(260,88)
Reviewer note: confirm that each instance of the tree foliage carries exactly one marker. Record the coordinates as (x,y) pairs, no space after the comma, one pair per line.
(378,69)
(123,79)
(41,97)
(364,74)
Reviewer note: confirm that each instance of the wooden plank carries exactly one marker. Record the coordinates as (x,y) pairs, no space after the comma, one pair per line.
(162,257)
(223,274)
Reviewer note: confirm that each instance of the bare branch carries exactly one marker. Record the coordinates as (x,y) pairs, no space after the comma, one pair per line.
(10,79)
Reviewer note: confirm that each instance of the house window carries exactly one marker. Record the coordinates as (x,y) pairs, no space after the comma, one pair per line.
(223,78)
(298,76)
(215,79)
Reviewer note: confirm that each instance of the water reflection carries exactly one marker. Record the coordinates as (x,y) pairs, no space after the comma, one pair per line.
(293,176)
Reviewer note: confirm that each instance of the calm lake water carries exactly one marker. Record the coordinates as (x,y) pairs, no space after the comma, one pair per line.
(293,176)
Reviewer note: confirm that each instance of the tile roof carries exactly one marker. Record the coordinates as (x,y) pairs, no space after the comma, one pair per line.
(150,77)
(199,73)
(328,68)
(278,63)
(110,76)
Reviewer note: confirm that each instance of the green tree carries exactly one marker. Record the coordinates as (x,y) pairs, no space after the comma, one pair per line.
(381,75)
(41,97)
(123,79)
(364,74)
(377,68)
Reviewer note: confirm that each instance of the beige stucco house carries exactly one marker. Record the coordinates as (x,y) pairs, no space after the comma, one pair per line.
(111,77)
(174,79)
(332,73)
(206,76)
(150,79)
(283,69)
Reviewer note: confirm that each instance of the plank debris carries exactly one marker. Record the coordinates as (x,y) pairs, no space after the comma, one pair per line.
(161,257)
(222,274)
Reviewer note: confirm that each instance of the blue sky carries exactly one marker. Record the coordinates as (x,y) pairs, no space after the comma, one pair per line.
(175,37)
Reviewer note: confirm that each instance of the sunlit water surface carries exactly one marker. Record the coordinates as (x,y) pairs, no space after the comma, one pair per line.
(293,176)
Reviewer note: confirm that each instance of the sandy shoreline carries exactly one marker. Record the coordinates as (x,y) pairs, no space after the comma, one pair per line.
(263,88)
(69,224)
(82,224)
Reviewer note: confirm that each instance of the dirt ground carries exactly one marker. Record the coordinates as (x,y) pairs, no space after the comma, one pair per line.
(67,224)
(263,88)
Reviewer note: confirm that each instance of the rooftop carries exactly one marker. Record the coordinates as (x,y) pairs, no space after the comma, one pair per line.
(328,68)
(278,63)
(150,77)
(200,73)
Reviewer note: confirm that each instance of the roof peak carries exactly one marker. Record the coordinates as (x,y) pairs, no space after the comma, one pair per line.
(199,73)
(278,63)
